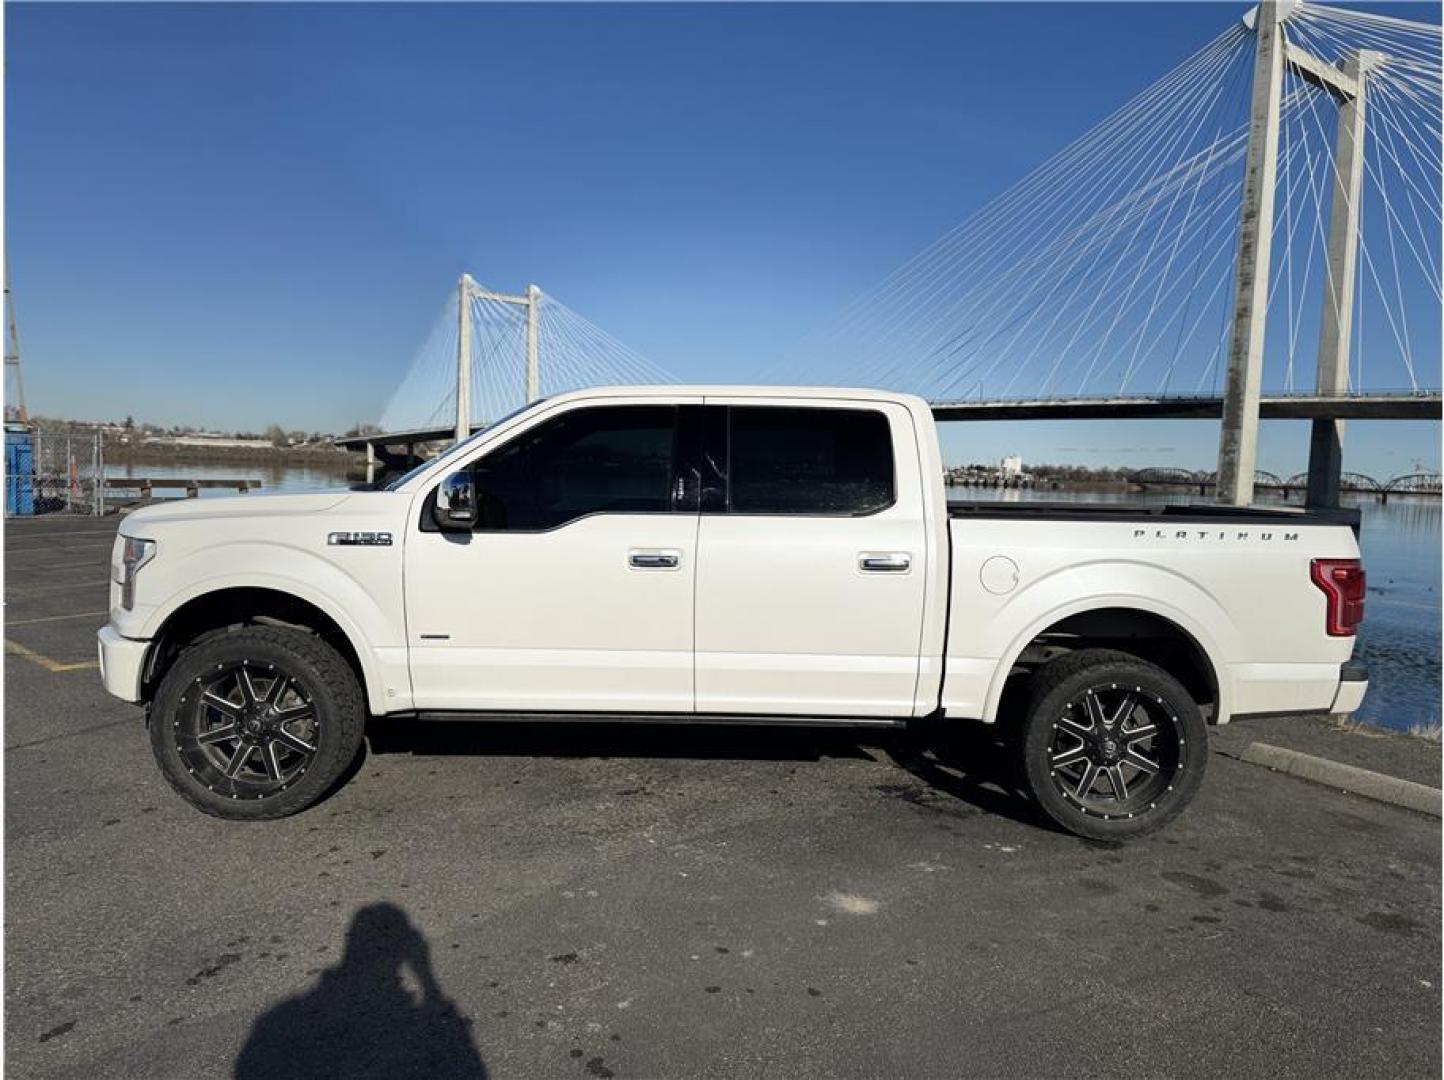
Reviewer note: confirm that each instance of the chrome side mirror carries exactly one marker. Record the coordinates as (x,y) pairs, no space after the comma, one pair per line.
(456,501)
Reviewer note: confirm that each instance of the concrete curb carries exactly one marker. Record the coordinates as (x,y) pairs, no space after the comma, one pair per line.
(1351,778)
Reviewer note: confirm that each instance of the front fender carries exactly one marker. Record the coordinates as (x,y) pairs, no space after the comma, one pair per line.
(377,636)
(1113,583)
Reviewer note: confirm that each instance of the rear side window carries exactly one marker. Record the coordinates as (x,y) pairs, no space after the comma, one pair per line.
(607,460)
(809,461)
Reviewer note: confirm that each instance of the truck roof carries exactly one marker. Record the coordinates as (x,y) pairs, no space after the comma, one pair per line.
(829,393)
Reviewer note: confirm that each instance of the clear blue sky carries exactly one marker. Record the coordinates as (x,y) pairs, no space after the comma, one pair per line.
(234,215)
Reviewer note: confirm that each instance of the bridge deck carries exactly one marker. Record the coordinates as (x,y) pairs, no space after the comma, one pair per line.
(1422,405)
(1401,405)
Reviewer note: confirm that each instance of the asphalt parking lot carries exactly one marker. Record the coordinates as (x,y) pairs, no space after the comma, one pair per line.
(596,902)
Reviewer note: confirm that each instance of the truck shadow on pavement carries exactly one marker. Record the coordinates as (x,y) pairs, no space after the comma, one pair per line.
(360,1020)
(970,764)
(951,762)
(604,739)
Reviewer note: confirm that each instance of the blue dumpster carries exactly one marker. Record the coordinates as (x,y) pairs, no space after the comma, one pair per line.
(19,471)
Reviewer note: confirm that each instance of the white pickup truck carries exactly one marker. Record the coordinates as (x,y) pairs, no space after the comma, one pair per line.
(722,554)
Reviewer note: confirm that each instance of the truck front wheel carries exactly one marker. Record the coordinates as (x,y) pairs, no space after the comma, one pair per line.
(256,722)
(1112,746)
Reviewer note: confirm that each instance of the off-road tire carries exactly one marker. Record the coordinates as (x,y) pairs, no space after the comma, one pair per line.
(316,670)
(1058,691)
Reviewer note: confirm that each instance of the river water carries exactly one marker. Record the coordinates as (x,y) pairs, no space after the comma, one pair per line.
(1399,640)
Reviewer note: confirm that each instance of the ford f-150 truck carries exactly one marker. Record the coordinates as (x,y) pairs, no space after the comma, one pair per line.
(722,554)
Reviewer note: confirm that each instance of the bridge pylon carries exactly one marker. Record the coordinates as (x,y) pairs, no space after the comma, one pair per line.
(468,290)
(1275,57)
(1238,438)
(1326,437)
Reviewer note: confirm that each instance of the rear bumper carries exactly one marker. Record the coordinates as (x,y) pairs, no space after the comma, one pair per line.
(1353,685)
(122,660)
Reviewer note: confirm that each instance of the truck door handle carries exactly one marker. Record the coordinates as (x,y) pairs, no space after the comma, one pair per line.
(884,562)
(654,560)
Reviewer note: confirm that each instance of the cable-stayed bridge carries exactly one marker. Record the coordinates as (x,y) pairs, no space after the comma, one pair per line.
(1254,235)
(491,352)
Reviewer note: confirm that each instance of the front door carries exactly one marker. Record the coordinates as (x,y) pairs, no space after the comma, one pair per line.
(575,591)
(812,560)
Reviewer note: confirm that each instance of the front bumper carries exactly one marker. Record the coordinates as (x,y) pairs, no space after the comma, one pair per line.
(1353,685)
(122,661)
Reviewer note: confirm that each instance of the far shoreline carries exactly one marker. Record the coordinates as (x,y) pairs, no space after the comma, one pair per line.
(168,455)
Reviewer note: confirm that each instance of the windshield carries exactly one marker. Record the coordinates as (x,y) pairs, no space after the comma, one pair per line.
(455,448)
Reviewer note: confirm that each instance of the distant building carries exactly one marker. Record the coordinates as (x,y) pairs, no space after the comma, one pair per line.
(1008,473)
(205,439)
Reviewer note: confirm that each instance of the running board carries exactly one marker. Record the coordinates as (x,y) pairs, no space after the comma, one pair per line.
(654,718)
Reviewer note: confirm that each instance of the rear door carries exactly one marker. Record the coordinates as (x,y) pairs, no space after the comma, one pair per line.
(812,559)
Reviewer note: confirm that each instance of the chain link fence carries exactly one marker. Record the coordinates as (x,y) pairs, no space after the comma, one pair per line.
(53,473)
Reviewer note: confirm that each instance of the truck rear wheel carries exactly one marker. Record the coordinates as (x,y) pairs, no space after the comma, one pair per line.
(1112,746)
(256,722)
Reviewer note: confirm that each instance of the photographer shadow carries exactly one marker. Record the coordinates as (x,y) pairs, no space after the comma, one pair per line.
(360,1020)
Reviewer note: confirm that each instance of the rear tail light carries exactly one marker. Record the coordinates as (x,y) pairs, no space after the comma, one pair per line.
(1342,581)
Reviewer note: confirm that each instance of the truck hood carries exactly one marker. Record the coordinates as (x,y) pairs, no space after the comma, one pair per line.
(233,506)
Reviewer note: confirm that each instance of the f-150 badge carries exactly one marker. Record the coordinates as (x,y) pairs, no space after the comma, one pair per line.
(359,539)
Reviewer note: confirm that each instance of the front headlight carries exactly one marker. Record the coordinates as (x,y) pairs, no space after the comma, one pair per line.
(135,554)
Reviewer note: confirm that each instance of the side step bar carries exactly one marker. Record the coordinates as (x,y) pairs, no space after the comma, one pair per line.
(653,718)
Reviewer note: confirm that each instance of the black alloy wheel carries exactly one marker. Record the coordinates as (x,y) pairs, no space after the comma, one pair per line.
(1112,746)
(1116,750)
(257,721)
(247,730)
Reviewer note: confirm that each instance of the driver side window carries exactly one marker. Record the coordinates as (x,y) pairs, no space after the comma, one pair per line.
(617,459)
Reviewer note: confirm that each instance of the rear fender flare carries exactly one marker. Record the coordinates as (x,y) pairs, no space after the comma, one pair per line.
(1052,599)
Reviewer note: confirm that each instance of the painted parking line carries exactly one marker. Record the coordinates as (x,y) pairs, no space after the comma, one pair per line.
(54,618)
(14,648)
